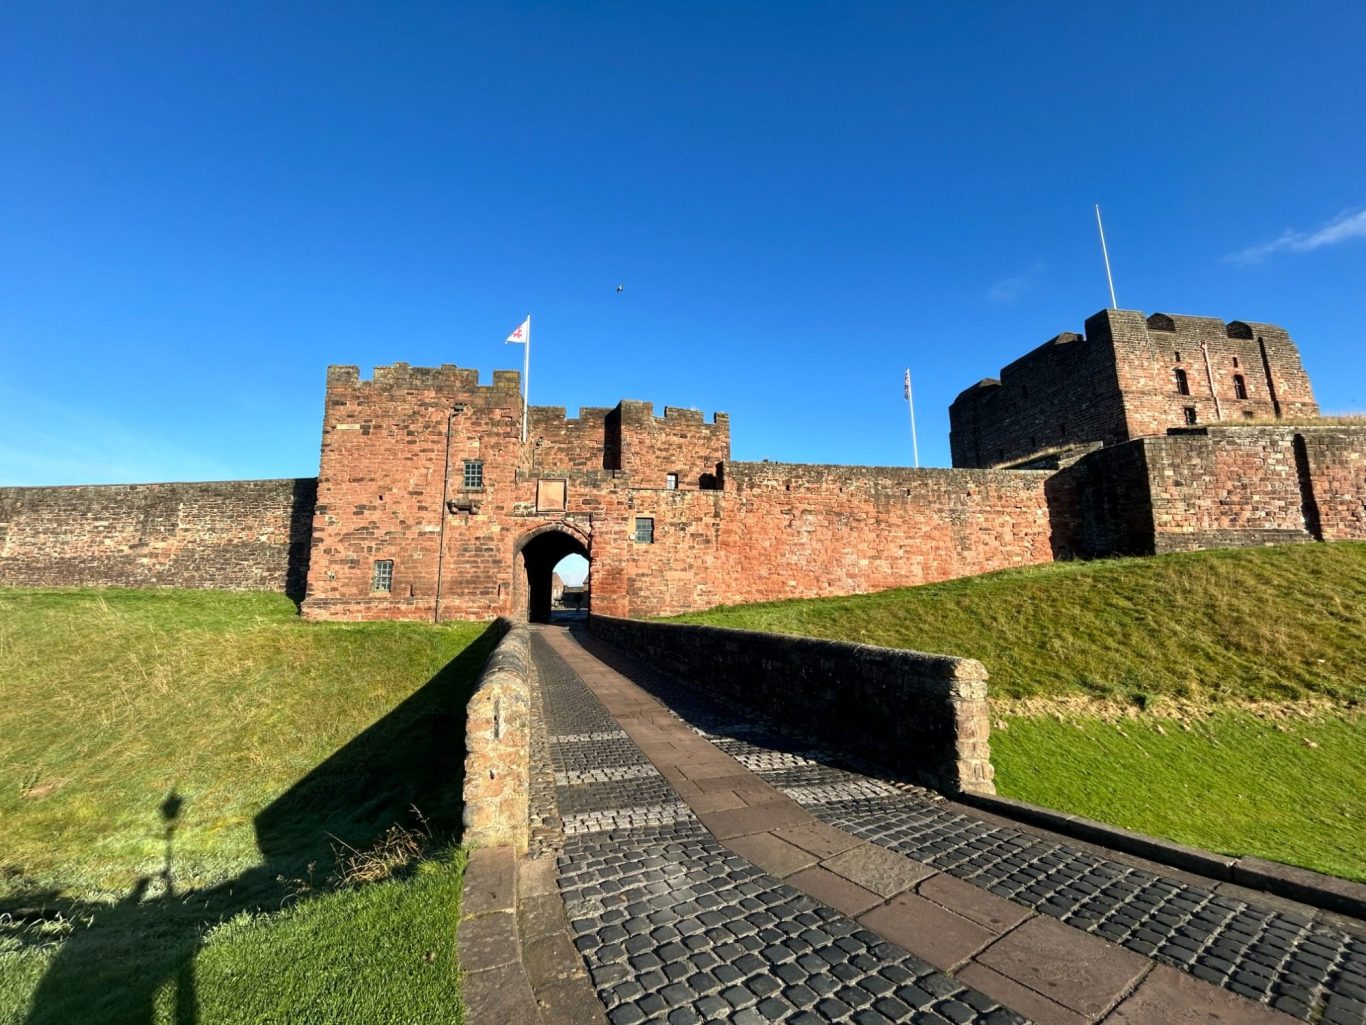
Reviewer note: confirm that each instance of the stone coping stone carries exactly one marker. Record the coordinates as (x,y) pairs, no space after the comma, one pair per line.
(1299,884)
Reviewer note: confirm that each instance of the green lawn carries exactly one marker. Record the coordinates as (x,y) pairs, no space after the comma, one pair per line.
(1215,698)
(179,772)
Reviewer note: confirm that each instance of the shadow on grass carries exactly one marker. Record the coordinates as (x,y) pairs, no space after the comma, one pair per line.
(118,959)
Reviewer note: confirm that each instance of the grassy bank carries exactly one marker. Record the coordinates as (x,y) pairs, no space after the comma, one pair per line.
(1215,698)
(187,780)
(1266,624)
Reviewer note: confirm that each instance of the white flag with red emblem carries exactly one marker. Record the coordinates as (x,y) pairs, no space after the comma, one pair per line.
(522,333)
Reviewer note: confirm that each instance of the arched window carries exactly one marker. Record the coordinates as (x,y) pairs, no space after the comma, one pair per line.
(1182,385)
(1239,387)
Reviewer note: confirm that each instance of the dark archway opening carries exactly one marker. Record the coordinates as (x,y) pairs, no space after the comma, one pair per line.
(538,557)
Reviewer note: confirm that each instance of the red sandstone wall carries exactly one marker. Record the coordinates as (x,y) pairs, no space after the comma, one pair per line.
(236,535)
(1118,382)
(1335,458)
(794,530)
(561,443)
(1063,393)
(797,531)
(1147,351)
(381,485)
(678,442)
(1237,486)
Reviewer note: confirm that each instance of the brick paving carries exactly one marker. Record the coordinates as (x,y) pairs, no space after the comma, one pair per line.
(713,869)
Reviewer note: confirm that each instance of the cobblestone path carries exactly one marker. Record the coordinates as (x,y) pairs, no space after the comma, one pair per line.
(713,870)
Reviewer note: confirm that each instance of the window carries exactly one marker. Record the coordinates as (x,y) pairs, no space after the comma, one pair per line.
(474,473)
(1190,415)
(1239,387)
(1182,385)
(382,579)
(1178,356)
(671,481)
(1235,362)
(645,530)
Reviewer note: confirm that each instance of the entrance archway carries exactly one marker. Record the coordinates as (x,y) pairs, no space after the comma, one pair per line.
(536,557)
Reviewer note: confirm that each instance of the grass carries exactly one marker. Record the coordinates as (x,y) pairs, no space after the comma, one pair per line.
(1231,782)
(181,774)
(1214,698)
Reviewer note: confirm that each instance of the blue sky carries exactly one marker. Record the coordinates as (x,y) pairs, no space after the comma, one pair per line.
(201,206)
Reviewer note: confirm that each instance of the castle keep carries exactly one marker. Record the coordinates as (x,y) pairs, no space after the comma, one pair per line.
(1143,435)
(1128,377)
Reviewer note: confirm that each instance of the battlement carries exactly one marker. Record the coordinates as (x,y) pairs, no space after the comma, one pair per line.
(637,411)
(446,377)
(552,416)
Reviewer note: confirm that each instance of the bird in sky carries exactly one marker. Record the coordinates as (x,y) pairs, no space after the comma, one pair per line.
(620,288)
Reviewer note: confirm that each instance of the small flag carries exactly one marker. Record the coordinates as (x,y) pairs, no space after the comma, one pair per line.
(520,335)
(907,394)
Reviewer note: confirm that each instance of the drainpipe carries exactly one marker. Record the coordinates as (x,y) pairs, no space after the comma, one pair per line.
(1209,374)
(441,534)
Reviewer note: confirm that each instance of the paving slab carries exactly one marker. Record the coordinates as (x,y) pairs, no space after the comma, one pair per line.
(1169,997)
(834,890)
(973,903)
(818,838)
(571,1002)
(877,869)
(1035,1006)
(1081,972)
(490,881)
(928,931)
(489,941)
(771,853)
(761,819)
(500,996)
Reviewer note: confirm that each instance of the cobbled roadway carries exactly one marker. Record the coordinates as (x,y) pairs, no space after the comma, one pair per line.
(676,928)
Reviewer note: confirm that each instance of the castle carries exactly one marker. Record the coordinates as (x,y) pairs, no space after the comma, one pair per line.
(1143,435)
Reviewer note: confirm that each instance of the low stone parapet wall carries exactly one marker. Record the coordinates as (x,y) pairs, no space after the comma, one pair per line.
(920,714)
(498,744)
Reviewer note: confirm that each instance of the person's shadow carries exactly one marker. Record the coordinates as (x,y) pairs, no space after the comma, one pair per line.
(133,962)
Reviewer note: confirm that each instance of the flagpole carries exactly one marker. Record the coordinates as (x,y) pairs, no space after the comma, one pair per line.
(1114,305)
(910,402)
(526,377)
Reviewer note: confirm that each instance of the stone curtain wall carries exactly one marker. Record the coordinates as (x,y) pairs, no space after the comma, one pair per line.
(1221,486)
(498,745)
(1224,488)
(236,535)
(1335,460)
(923,715)
(799,531)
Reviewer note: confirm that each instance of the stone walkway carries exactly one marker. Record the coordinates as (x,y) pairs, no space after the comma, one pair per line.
(714,871)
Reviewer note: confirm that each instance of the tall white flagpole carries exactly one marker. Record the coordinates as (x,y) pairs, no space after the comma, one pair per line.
(1106,254)
(526,377)
(910,402)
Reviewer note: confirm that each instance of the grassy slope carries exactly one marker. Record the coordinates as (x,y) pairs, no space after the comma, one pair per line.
(1210,637)
(1267,624)
(275,737)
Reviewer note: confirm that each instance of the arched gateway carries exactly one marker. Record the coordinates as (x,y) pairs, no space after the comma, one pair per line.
(534,559)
